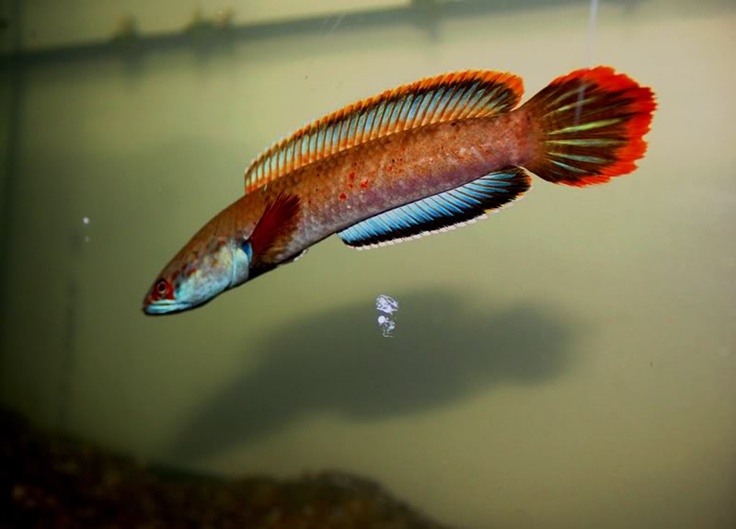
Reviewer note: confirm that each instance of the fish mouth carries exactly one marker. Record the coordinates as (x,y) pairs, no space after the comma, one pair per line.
(163,306)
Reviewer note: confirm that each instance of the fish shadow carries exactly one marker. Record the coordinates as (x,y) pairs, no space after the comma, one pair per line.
(443,350)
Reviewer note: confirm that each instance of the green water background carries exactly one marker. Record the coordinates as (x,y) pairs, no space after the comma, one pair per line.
(569,363)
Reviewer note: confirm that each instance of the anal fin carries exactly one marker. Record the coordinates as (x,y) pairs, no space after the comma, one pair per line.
(441,212)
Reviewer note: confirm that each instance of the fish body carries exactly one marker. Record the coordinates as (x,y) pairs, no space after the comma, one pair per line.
(366,180)
(421,158)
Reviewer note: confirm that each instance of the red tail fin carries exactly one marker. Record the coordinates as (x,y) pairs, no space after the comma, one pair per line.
(590,126)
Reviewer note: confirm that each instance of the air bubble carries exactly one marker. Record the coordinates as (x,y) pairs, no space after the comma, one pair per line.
(386,306)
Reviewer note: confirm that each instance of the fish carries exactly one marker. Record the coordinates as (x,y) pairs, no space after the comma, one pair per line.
(426,157)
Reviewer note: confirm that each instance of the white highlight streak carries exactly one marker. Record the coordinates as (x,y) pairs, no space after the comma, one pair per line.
(592,25)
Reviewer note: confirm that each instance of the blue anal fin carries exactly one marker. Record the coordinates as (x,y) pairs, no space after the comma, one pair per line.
(441,212)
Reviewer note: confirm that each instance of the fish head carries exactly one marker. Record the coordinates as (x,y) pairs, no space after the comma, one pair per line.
(197,274)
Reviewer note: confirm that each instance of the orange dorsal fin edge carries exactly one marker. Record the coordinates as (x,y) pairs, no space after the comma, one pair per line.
(448,97)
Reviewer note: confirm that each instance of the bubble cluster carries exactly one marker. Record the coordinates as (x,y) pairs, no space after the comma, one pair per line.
(386,307)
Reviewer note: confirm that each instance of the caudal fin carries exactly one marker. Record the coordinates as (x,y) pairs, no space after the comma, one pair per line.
(590,126)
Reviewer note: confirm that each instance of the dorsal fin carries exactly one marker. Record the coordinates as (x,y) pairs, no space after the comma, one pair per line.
(448,97)
(440,212)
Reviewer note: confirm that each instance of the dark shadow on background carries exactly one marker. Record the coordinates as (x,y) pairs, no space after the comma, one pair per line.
(208,38)
(444,350)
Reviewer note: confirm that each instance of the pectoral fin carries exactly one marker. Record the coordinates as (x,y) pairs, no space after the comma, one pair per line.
(274,229)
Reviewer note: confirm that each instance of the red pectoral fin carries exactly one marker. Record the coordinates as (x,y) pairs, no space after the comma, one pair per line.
(275,227)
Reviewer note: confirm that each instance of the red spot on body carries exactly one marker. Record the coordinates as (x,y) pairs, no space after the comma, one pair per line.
(350,185)
(364,184)
(389,168)
(352,175)
(342,196)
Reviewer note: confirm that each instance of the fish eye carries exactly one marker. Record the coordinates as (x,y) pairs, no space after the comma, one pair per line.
(163,289)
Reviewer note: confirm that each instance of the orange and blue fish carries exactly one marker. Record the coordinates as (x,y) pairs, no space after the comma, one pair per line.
(422,158)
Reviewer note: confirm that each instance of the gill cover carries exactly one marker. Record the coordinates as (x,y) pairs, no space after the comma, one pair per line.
(194,277)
